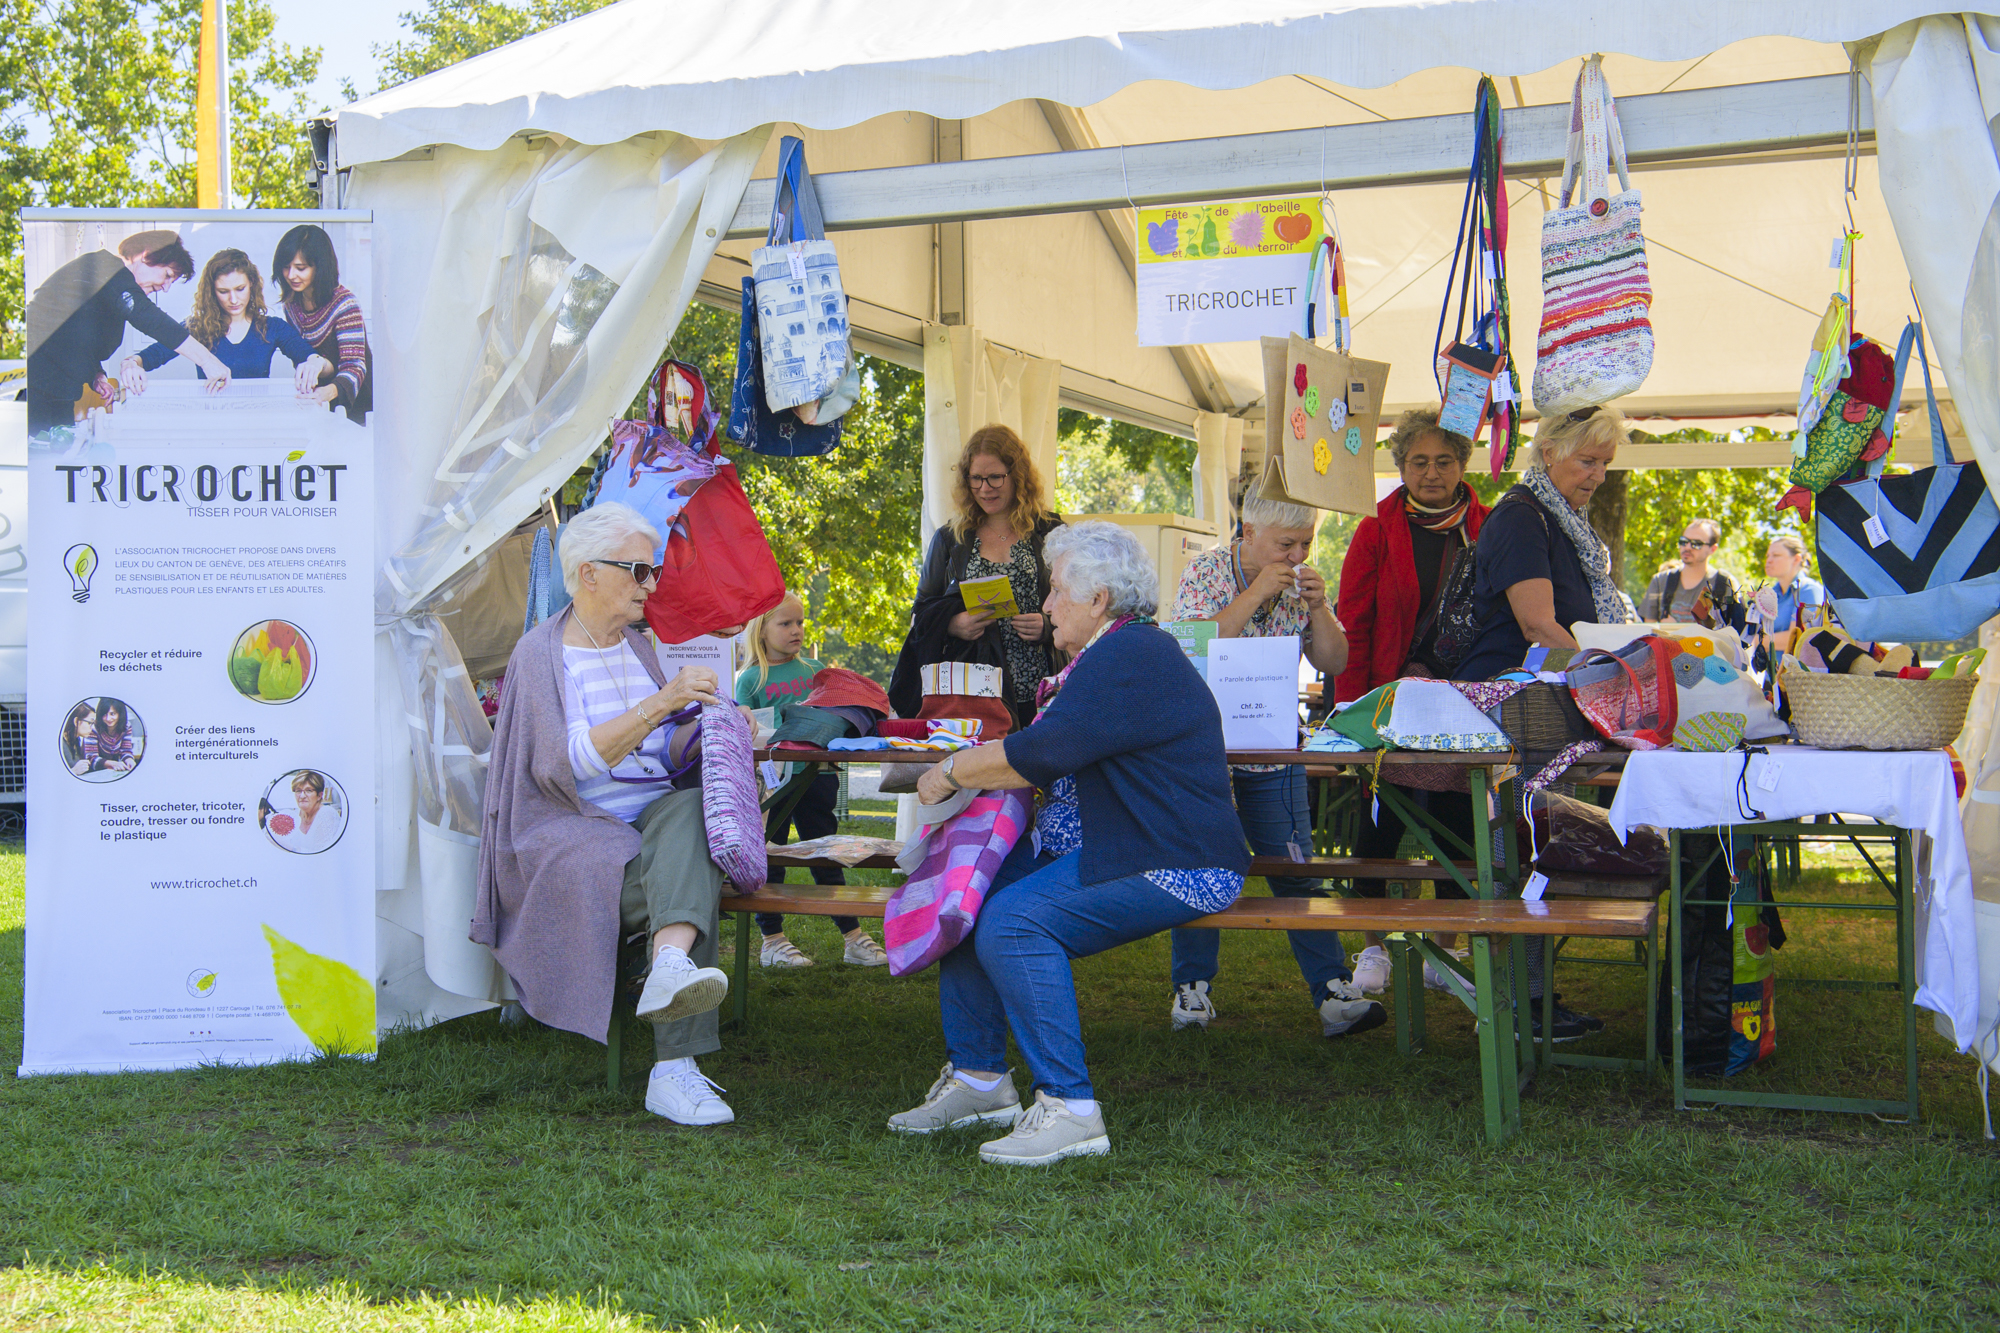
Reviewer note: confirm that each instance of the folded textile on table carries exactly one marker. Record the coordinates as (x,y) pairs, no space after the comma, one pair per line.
(903,728)
(1432,715)
(850,849)
(858,743)
(1325,740)
(1905,788)
(811,727)
(863,720)
(832,686)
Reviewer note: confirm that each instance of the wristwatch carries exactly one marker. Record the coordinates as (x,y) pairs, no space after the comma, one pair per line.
(945,768)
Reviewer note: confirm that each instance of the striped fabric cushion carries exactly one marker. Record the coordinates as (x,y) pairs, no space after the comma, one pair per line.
(729,798)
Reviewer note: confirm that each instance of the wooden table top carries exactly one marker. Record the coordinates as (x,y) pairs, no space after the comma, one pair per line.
(1600,761)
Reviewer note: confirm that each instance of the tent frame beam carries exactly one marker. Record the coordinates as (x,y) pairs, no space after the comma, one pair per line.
(1661,129)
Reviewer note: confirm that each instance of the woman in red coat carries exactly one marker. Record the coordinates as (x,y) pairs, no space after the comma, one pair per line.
(1389,586)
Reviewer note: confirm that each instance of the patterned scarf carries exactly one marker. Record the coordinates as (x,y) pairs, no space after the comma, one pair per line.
(1051,686)
(1613,606)
(1439,520)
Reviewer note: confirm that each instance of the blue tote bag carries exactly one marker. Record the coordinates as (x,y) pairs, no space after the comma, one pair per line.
(751,421)
(1917,557)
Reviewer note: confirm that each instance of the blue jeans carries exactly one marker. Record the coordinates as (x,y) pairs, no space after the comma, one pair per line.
(1014,970)
(1274,812)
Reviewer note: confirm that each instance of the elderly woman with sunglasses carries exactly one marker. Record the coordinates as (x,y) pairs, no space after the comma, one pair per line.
(594,827)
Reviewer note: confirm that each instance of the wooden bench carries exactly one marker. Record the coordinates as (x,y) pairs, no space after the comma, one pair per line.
(1507,1057)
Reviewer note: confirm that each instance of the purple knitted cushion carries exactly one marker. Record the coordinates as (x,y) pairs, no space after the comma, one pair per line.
(729,798)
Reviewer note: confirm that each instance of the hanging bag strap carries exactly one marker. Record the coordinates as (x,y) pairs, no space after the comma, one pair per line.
(1596,141)
(795,213)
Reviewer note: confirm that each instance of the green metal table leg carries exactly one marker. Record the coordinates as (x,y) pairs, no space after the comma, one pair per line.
(1499,1079)
(1482,833)
(1675,953)
(1406,993)
(1906,958)
(740,1001)
(1650,960)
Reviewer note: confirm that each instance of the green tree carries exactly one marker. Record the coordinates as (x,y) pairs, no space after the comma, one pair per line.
(1096,472)
(445,32)
(1661,503)
(99,112)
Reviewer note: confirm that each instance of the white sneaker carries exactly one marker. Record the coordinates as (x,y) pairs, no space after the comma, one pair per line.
(1047,1132)
(863,951)
(1345,1011)
(683,1094)
(781,952)
(1435,982)
(1192,1007)
(677,989)
(1371,970)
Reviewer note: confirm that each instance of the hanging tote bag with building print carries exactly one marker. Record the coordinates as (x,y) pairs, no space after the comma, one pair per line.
(1914,558)
(1596,343)
(751,420)
(801,305)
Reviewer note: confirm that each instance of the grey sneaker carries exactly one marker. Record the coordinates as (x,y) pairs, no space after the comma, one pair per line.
(1192,1007)
(1346,1011)
(952,1103)
(676,988)
(1047,1132)
(861,950)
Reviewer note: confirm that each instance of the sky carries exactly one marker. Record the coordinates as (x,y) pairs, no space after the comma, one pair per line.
(344,31)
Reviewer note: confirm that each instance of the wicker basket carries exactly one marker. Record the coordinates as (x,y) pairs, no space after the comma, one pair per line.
(1874,712)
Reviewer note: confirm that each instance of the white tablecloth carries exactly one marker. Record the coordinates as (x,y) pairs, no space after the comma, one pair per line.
(1909,789)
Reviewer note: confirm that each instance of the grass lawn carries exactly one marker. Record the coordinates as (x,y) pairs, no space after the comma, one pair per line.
(480,1177)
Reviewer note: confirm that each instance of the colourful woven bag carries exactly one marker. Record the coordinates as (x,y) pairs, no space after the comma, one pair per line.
(1629,695)
(936,907)
(1596,343)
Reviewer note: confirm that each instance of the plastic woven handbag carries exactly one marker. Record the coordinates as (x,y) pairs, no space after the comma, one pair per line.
(1596,342)
(729,798)
(935,908)
(1628,695)
(1913,558)
(801,305)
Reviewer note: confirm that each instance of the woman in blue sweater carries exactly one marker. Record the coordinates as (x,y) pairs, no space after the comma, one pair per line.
(230,320)
(1136,834)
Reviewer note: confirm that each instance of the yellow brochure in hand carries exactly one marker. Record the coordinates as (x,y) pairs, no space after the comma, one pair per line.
(995,595)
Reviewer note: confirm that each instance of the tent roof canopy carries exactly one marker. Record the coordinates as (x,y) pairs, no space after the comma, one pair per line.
(713,70)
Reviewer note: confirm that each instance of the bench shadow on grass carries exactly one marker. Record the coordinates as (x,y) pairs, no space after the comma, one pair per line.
(1261,1177)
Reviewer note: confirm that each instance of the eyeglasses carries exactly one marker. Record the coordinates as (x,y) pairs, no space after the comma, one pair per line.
(642,571)
(990,481)
(1686,542)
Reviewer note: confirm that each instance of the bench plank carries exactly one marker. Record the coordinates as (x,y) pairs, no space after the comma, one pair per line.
(1506,916)
(1318,867)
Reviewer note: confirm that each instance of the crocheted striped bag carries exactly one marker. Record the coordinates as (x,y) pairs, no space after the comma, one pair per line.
(1595,343)
(729,798)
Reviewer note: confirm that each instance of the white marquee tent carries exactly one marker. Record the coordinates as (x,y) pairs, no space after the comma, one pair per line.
(547,212)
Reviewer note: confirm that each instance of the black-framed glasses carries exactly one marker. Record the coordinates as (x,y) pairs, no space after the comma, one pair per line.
(1584,413)
(993,482)
(642,571)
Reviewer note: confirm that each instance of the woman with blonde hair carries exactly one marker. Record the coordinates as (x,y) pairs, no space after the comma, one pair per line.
(1000,522)
(230,319)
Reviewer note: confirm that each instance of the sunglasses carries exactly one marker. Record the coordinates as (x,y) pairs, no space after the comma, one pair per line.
(642,571)
(1685,542)
(1584,414)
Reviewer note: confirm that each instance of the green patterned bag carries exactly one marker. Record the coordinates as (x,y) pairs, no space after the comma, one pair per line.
(1713,732)
(1836,442)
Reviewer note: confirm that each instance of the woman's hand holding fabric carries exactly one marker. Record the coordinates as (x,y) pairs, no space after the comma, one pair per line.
(1273,579)
(970,625)
(1311,585)
(933,786)
(693,684)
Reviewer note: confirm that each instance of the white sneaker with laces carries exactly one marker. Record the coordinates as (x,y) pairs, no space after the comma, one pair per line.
(1345,1011)
(1371,970)
(1192,1007)
(1047,1132)
(781,952)
(862,951)
(683,1094)
(1435,982)
(676,988)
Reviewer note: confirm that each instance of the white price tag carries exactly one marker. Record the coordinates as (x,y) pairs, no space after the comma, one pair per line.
(1877,534)
(796,256)
(1767,780)
(1837,247)
(1503,389)
(1532,891)
(773,777)
(1492,266)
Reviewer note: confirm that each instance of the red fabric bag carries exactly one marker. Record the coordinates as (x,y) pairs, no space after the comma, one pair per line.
(1629,695)
(719,571)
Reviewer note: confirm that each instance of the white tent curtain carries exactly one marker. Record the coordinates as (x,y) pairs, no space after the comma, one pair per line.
(1218,441)
(570,266)
(1936,89)
(968,383)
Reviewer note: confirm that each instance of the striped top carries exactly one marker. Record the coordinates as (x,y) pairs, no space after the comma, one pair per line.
(596,688)
(341,320)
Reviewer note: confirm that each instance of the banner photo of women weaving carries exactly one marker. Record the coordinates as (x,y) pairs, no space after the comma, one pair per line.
(200,489)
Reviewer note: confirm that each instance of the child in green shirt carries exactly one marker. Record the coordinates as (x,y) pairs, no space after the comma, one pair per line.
(776,678)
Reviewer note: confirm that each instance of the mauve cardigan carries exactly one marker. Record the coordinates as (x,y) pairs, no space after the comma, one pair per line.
(551,865)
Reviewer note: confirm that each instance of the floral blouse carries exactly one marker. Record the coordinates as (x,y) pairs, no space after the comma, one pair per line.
(1027,662)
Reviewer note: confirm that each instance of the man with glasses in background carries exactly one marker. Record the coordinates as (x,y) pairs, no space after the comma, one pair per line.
(1691,592)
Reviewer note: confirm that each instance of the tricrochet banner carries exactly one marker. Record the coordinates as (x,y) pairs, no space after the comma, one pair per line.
(1231,271)
(201,840)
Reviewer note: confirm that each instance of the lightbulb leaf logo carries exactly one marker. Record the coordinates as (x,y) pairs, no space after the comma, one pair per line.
(332,1003)
(201,983)
(80,561)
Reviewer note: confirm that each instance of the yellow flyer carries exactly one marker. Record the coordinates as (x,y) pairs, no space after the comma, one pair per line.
(995,595)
